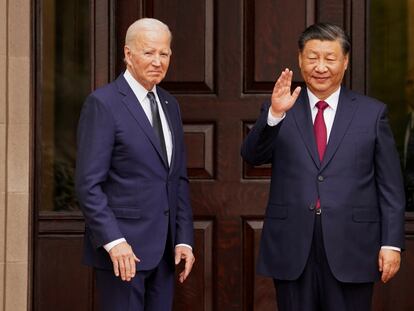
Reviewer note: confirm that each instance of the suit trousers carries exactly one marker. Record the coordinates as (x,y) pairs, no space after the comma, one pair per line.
(317,289)
(151,290)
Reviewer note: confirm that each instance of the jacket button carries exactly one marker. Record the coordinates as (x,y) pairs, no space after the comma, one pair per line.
(320,178)
(312,206)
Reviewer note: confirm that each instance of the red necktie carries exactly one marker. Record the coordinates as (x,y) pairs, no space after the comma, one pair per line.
(319,128)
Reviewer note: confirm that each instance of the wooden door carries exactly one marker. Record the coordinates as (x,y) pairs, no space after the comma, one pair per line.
(226,56)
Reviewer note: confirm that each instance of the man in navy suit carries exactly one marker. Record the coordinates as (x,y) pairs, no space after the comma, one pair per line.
(131,179)
(334,222)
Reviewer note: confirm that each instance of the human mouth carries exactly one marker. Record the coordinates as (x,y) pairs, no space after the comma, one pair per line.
(155,73)
(321,79)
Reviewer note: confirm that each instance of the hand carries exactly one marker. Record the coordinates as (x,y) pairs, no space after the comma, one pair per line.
(282,100)
(183,252)
(123,260)
(389,263)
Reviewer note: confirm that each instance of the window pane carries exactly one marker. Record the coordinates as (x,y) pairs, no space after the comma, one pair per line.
(392,73)
(65,71)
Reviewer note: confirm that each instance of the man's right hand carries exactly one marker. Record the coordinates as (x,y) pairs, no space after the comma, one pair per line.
(282,99)
(123,260)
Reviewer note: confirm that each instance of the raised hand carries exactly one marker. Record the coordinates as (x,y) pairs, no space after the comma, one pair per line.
(282,99)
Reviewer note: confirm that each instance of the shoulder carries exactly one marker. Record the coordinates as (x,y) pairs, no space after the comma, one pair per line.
(364,102)
(104,92)
(106,95)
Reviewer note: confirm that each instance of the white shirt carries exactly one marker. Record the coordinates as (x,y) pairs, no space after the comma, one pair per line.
(328,115)
(141,94)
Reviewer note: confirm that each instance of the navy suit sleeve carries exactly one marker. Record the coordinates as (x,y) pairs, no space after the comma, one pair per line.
(184,221)
(258,146)
(95,140)
(389,185)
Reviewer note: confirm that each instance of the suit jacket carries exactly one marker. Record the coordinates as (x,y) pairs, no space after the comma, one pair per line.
(124,186)
(359,184)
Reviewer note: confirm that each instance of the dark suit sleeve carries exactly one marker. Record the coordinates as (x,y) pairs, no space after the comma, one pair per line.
(184,221)
(389,185)
(258,146)
(95,140)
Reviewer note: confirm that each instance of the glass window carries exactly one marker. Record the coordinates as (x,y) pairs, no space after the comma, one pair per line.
(392,75)
(64,72)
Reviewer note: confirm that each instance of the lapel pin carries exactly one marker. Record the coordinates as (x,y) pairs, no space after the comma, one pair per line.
(166,102)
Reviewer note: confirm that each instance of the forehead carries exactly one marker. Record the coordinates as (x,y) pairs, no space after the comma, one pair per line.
(324,47)
(153,38)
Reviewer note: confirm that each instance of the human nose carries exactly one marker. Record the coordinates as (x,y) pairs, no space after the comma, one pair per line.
(156,60)
(321,66)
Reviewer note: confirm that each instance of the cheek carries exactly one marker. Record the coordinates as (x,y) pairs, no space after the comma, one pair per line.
(307,73)
(166,64)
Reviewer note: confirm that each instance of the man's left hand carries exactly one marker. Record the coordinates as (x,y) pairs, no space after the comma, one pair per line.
(389,263)
(183,252)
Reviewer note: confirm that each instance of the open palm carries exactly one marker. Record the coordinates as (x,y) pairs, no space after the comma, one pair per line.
(282,99)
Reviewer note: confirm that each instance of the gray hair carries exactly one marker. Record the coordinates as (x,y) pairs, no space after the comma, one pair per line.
(145,24)
(325,32)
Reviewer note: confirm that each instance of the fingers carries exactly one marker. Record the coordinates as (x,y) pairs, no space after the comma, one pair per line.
(282,99)
(124,261)
(380,262)
(186,254)
(189,262)
(132,267)
(284,81)
(389,271)
(177,257)
(116,267)
(296,93)
(389,264)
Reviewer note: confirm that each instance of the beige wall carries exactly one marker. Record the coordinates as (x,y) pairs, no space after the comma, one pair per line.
(14,152)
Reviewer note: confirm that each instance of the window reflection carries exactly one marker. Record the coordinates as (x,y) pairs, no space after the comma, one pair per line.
(391,75)
(65,82)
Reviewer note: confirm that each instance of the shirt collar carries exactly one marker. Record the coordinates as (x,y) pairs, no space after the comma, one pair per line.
(332,100)
(139,91)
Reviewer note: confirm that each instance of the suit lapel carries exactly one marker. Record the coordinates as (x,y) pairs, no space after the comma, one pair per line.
(302,114)
(134,107)
(343,116)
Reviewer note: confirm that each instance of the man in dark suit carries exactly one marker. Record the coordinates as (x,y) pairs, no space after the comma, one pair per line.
(335,216)
(131,179)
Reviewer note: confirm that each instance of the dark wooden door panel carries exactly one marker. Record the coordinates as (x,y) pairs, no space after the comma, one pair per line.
(62,283)
(197,292)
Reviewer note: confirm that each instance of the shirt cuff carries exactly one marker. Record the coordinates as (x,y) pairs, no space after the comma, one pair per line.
(113,243)
(391,247)
(272,120)
(185,245)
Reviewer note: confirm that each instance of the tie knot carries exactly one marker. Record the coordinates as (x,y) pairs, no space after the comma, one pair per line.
(151,95)
(321,105)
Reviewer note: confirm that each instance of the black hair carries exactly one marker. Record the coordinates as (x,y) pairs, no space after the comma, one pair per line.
(325,32)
